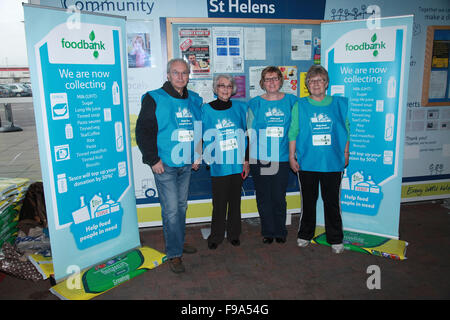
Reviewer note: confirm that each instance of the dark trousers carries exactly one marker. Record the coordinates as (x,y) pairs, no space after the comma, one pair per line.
(270,188)
(226,194)
(330,183)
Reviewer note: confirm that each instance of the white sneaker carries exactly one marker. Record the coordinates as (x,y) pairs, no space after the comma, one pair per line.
(337,248)
(302,243)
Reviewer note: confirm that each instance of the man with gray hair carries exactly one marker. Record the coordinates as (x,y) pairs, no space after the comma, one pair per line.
(165,136)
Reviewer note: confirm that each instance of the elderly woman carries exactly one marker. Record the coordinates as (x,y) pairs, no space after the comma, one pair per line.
(224,126)
(319,152)
(268,123)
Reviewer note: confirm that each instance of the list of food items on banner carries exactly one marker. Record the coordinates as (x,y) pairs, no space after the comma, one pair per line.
(366,68)
(87,130)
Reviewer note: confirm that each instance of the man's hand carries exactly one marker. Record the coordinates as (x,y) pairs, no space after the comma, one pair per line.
(158,168)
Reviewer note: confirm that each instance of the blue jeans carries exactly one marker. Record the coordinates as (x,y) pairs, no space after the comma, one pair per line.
(173,187)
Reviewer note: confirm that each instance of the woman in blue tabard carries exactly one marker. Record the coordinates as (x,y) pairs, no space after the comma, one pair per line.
(268,123)
(319,153)
(224,146)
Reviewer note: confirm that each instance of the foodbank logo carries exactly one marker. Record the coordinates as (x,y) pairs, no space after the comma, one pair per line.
(374,46)
(96,46)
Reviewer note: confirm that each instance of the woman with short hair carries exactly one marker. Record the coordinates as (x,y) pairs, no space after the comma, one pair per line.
(224,145)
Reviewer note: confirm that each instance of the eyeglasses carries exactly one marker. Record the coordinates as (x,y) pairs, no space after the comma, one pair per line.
(176,73)
(272,79)
(318,81)
(222,86)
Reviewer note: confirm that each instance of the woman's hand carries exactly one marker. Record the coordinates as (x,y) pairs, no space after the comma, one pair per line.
(196,164)
(246,170)
(294,164)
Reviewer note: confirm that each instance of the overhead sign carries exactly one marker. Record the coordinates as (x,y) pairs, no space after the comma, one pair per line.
(266,9)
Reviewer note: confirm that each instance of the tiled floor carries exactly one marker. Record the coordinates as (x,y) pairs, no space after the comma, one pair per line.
(255,271)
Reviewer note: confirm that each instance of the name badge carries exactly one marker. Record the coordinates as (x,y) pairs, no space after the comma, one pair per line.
(185,135)
(321,140)
(228,144)
(275,132)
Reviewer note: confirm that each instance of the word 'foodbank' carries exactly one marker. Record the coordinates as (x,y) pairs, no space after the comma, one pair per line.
(365,46)
(83,44)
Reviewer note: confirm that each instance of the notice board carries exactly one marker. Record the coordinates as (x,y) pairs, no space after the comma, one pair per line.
(242,47)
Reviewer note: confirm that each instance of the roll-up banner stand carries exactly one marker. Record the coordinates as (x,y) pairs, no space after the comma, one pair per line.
(368,62)
(78,65)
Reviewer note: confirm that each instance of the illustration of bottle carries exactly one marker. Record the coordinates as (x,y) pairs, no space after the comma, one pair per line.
(389,127)
(115,93)
(345,183)
(391,87)
(81,214)
(62,183)
(119,136)
(69,131)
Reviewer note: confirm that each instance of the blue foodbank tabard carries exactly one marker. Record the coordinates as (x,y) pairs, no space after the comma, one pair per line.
(85,115)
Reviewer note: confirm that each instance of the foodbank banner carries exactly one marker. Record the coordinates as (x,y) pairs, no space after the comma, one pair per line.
(368,62)
(78,63)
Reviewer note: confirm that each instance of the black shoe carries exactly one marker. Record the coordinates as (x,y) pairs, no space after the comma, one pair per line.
(212,245)
(280,240)
(267,240)
(235,242)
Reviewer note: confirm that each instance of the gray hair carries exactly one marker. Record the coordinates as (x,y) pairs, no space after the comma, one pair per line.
(172,61)
(224,76)
(317,70)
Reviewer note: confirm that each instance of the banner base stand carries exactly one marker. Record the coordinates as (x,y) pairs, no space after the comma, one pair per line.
(104,276)
(367,243)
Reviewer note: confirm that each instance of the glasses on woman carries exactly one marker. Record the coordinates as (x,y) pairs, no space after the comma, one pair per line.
(223,86)
(274,79)
(317,81)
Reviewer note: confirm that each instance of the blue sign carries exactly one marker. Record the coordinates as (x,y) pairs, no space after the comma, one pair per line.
(83,132)
(370,66)
(266,9)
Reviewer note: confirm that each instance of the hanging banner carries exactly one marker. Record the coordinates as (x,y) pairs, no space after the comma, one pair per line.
(78,63)
(368,62)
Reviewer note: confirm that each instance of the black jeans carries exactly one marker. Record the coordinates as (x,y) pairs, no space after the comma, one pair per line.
(270,187)
(226,194)
(330,183)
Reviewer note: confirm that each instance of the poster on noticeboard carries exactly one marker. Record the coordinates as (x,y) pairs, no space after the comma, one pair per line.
(195,45)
